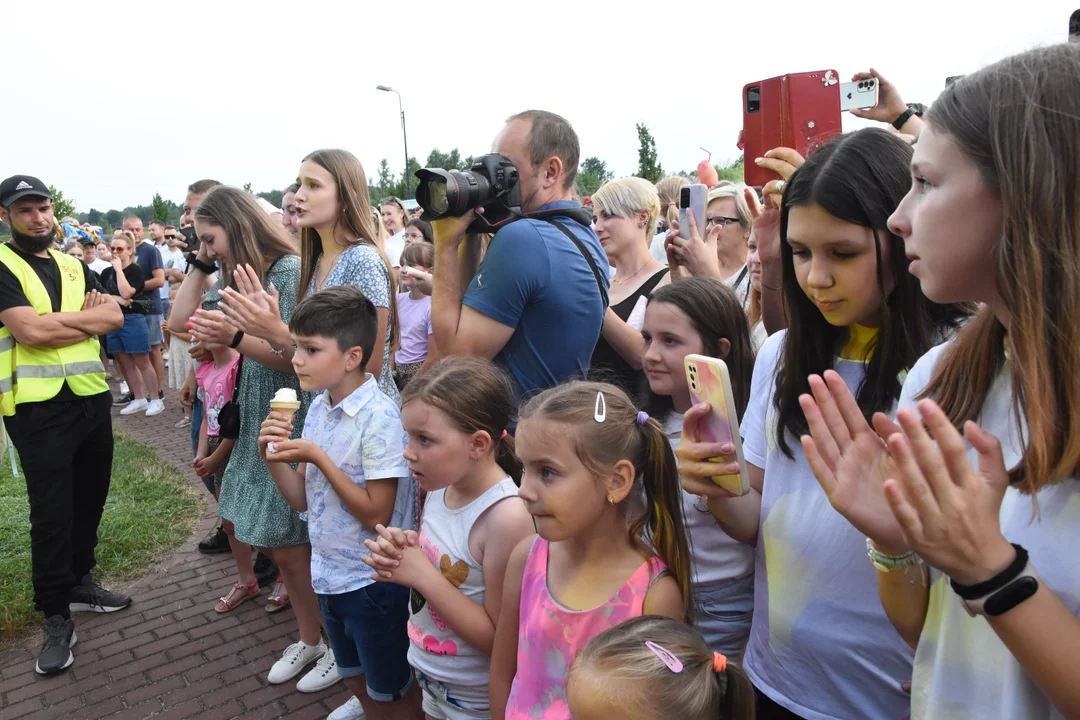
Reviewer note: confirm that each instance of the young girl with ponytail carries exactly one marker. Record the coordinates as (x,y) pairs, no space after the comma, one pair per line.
(601,484)
(456,415)
(653,667)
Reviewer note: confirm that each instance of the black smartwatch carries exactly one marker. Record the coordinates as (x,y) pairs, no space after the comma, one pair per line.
(905,116)
(236,339)
(1004,591)
(198,264)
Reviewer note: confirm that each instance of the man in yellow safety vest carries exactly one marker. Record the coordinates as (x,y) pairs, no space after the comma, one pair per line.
(56,408)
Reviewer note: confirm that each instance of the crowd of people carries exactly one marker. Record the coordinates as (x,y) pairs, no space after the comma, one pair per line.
(473,467)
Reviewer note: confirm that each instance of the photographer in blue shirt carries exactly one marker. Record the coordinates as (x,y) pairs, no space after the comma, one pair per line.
(535,305)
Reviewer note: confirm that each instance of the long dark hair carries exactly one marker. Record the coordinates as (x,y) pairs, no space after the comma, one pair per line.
(859,178)
(716,314)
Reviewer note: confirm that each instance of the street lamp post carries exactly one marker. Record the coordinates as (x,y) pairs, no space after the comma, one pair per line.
(404,135)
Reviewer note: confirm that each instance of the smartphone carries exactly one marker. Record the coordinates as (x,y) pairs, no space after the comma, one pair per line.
(710,382)
(861,95)
(800,111)
(692,202)
(1074,27)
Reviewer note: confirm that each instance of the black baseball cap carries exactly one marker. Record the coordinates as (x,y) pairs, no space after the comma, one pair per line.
(17,187)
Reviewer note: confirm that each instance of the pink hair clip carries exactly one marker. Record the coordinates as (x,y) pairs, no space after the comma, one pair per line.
(673,663)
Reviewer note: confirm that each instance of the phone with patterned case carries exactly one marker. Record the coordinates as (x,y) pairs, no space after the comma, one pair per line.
(710,382)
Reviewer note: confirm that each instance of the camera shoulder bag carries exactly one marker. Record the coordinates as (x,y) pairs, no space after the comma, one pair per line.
(588,257)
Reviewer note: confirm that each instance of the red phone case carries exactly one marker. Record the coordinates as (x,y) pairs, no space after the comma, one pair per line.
(800,111)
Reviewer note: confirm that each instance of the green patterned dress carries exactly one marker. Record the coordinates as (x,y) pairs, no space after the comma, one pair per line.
(249,497)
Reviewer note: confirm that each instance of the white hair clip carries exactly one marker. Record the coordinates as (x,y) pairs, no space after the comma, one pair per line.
(600,411)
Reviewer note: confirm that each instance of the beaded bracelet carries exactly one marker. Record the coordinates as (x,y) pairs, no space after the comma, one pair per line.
(887,563)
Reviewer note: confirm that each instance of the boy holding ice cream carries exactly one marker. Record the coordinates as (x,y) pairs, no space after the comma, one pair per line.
(351,476)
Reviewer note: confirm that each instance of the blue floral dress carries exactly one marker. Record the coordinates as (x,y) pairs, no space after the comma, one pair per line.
(361,266)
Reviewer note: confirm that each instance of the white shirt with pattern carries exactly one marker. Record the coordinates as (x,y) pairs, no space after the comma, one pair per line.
(364,437)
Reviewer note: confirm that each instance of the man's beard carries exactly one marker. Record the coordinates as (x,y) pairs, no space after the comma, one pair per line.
(33,244)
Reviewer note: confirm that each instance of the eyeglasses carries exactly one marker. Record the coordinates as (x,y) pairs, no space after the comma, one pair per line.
(720,220)
(414,236)
(172,237)
(117,249)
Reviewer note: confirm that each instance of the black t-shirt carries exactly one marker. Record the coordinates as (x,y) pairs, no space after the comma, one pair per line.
(140,302)
(12,295)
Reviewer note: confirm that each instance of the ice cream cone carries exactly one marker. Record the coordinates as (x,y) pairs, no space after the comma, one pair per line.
(286,407)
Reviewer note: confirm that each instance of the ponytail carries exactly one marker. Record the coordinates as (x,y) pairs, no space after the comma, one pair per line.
(662,522)
(506,457)
(738,698)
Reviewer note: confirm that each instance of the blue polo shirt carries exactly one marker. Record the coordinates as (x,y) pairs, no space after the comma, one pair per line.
(535,280)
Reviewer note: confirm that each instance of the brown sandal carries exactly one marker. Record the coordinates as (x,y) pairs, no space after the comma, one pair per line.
(239,595)
(279,599)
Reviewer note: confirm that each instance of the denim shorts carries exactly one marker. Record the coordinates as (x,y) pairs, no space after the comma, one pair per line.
(723,613)
(153,326)
(368,631)
(132,338)
(446,702)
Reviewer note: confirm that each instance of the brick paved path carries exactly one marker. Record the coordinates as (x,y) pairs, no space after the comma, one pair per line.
(169,655)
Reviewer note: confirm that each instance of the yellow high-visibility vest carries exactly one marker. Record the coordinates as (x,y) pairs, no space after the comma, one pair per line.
(34,374)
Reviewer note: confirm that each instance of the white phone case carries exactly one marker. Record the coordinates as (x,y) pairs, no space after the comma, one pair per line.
(692,200)
(860,95)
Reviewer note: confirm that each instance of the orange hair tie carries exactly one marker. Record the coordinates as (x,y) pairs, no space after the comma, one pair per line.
(719,662)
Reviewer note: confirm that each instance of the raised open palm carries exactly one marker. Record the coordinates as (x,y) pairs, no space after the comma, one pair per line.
(850,460)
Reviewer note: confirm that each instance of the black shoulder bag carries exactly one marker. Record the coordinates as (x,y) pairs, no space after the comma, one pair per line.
(588,257)
(229,414)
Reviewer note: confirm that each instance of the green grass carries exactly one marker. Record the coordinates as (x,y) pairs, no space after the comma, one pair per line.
(150,511)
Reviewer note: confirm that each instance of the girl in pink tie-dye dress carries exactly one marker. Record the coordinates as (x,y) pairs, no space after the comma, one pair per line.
(599,477)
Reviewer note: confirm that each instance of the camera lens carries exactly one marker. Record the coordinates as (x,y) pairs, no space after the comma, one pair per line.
(684,197)
(436,192)
(753,99)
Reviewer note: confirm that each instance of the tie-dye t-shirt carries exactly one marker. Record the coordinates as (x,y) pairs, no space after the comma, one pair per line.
(962,669)
(550,636)
(820,644)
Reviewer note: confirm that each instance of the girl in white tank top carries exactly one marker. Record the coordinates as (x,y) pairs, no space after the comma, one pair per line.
(456,415)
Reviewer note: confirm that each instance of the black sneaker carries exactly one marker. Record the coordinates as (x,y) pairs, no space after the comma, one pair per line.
(91,597)
(265,570)
(55,655)
(124,399)
(215,543)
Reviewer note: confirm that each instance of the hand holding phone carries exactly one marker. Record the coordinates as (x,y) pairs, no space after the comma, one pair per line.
(692,202)
(710,382)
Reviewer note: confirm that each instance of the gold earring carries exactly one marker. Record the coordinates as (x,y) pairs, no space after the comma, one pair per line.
(611,498)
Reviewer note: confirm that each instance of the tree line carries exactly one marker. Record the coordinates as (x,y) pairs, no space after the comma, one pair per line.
(592,173)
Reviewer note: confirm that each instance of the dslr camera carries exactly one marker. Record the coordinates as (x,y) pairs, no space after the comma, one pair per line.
(490,183)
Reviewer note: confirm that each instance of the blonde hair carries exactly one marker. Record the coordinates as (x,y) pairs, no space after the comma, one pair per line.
(668,190)
(628,196)
(619,671)
(127,235)
(658,529)
(735,192)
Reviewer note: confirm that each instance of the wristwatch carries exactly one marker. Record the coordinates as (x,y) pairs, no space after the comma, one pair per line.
(900,121)
(195,262)
(1004,591)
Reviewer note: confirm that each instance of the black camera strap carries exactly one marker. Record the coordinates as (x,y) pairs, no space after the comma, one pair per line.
(588,257)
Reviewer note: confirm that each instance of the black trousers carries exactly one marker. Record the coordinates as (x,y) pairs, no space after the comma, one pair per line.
(769,710)
(66,450)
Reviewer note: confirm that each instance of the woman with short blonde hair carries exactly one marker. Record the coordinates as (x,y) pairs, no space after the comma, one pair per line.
(625,212)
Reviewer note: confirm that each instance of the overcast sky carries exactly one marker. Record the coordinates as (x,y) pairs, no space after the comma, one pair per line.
(113,101)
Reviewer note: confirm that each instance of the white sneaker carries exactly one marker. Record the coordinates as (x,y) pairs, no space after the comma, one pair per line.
(320,677)
(124,389)
(135,406)
(349,711)
(295,658)
(155,407)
